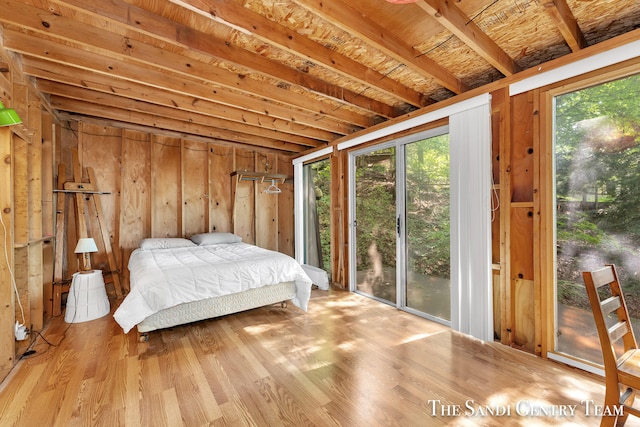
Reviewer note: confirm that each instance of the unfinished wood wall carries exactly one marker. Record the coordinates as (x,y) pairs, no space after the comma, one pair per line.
(26,210)
(170,186)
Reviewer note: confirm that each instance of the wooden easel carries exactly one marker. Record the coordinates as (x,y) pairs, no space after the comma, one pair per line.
(81,191)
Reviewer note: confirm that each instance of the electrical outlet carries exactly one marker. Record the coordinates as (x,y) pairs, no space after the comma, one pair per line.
(21,332)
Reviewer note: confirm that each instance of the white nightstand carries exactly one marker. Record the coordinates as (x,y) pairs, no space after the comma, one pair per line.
(87,299)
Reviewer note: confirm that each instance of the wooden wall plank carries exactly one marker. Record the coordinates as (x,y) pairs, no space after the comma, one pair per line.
(35,273)
(166,220)
(195,179)
(285,222)
(34,153)
(523,302)
(101,150)
(266,206)
(21,190)
(7,313)
(64,155)
(48,175)
(59,267)
(501,103)
(522,158)
(48,213)
(525,315)
(221,164)
(135,218)
(521,217)
(244,214)
(95,200)
(21,277)
(497,298)
(135,221)
(35,291)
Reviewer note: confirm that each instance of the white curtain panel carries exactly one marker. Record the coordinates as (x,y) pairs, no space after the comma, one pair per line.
(471,285)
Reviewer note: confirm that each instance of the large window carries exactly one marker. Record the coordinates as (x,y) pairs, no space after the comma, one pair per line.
(597,172)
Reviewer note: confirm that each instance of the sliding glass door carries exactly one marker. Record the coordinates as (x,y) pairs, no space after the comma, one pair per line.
(400,224)
(375,223)
(428,259)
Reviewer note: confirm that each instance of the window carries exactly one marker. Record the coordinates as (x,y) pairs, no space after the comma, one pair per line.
(597,201)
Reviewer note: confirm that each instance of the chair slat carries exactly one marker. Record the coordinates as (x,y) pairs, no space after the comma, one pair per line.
(617,331)
(603,276)
(619,372)
(611,304)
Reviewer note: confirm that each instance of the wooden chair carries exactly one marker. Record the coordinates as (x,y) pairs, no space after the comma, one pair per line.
(622,374)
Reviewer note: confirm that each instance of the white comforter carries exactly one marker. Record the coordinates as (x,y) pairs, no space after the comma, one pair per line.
(162,278)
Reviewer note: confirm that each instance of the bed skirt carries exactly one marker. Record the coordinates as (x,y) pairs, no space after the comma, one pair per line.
(218,306)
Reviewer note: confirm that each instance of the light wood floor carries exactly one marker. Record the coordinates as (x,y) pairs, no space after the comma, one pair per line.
(349,361)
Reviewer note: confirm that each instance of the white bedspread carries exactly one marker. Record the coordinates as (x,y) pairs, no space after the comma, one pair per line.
(162,278)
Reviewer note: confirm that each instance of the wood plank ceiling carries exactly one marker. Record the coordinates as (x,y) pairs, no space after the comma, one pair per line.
(290,75)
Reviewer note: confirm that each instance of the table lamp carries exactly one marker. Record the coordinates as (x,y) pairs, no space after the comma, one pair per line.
(85,246)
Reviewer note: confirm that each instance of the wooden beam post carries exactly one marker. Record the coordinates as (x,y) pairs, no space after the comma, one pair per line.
(58,286)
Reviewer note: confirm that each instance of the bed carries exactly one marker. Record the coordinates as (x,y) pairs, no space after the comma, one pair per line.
(176,281)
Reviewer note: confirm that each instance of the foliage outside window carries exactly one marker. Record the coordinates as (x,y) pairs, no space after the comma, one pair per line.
(597,150)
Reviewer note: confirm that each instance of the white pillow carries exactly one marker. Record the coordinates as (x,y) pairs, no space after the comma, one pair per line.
(215,238)
(165,243)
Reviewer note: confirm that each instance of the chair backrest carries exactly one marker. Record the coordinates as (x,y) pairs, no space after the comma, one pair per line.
(613,302)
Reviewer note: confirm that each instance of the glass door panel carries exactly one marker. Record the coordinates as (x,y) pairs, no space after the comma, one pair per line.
(316,219)
(428,286)
(375,224)
(597,161)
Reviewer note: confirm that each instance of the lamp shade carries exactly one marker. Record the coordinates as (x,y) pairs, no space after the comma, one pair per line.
(86,245)
(8,116)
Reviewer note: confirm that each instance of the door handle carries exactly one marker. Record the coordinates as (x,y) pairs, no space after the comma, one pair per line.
(398,225)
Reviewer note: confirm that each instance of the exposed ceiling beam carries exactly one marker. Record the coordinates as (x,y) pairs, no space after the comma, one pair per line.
(73,76)
(270,32)
(455,20)
(117,46)
(561,13)
(110,100)
(164,122)
(183,83)
(345,17)
(194,41)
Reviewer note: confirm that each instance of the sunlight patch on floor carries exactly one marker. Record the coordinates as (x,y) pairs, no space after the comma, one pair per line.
(419,337)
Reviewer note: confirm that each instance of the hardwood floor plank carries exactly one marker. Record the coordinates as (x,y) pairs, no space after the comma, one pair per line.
(132,391)
(26,381)
(348,361)
(175,417)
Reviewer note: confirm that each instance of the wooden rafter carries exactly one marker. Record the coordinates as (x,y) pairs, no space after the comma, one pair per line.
(236,16)
(103,99)
(195,41)
(170,124)
(344,16)
(155,64)
(454,20)
(561,13)
(298,124)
